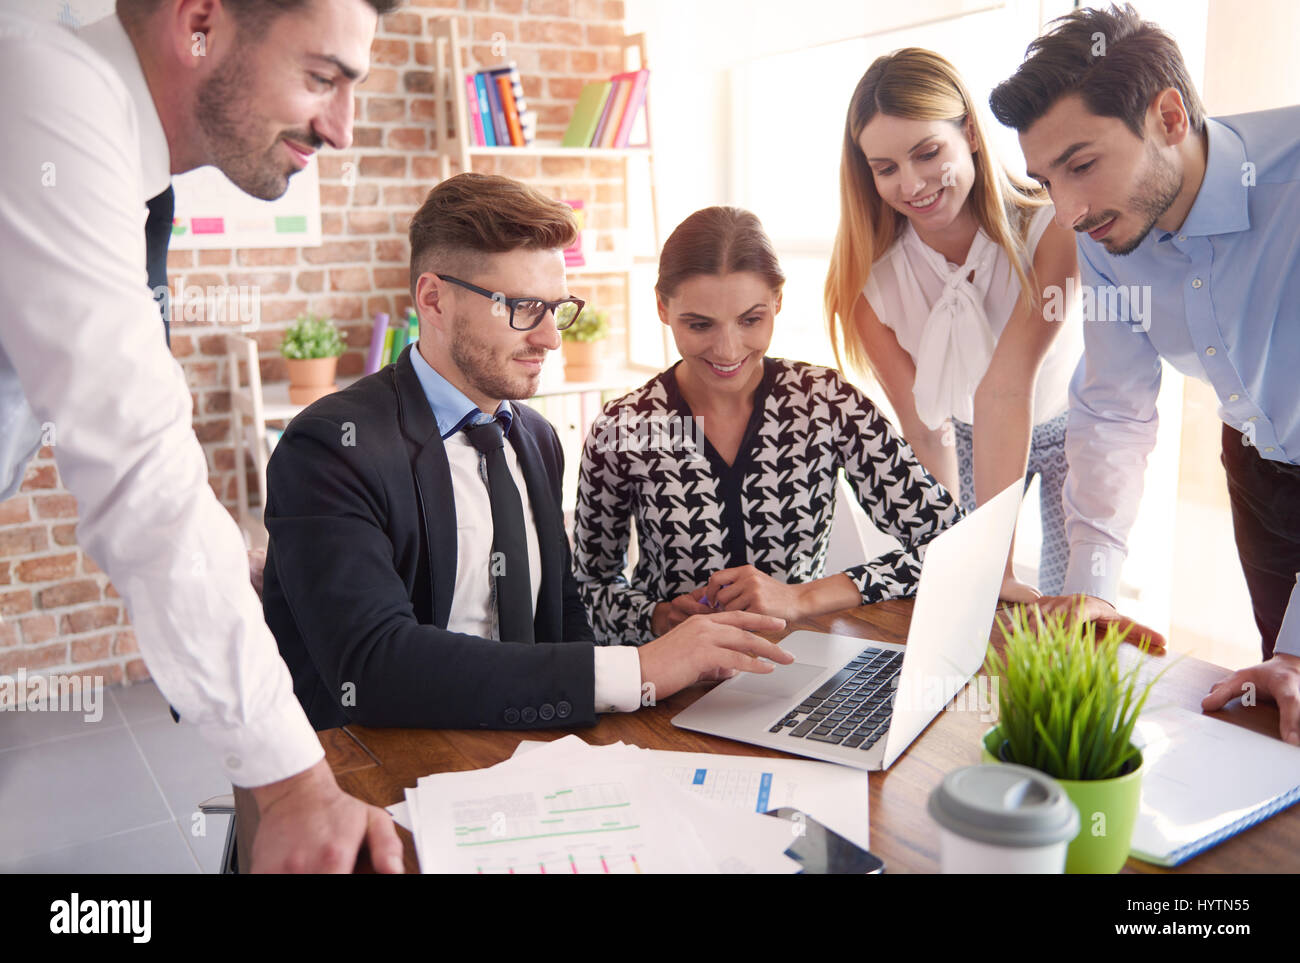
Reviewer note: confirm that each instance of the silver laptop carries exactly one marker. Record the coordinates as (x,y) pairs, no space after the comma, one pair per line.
(860,702)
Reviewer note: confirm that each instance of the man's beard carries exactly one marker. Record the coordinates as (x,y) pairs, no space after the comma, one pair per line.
(488,374)
(1161,183)
(228,121)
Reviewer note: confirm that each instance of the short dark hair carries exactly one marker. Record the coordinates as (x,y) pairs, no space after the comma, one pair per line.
(716,241)
(473,214)
(1116,61)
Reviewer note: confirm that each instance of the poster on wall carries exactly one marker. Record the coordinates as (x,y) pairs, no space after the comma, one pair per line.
(211,212)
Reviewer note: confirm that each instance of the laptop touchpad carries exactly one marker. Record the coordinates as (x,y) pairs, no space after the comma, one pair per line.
(781,683)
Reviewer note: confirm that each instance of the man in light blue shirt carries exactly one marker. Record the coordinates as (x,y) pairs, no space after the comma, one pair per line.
(1192,255)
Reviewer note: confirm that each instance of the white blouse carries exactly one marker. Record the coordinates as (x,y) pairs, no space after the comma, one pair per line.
(948,317)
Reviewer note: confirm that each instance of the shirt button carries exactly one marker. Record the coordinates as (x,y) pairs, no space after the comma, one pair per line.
(562,710)
(1268,449)
(1233,397)
(546,711)
(1211,351)
(1196,282)
(1182,237)
(529,715)
(1253,418)
(511,716)
(233,762)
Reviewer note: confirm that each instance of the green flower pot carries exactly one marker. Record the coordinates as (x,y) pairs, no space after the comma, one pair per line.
(1108,810)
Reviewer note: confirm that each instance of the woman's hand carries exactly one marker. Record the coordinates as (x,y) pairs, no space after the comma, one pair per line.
(669,615)
(747,589)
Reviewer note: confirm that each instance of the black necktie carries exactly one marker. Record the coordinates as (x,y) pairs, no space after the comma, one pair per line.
(157,235)
(509,563)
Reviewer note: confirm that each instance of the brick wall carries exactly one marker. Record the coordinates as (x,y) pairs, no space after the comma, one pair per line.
(58,612)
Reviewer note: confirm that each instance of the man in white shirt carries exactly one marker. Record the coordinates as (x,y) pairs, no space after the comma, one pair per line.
(95,126)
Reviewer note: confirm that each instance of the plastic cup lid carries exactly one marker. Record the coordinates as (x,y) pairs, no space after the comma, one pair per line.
(1004,805)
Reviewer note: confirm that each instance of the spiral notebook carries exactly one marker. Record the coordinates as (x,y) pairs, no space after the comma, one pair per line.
(1206,781)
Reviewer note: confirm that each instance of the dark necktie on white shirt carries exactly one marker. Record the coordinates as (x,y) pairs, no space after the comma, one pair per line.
(157,235)
(509,568)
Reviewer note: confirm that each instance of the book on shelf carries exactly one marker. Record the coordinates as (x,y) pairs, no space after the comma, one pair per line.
(502,117)
(511,111)
(485,112)
(498,112)
(605,115)
(473,116)
(591,102)
(619,94)
(373,357)
(637,81)
(604,118)
(388,338)
(607,111)
(510,73)
(573,256)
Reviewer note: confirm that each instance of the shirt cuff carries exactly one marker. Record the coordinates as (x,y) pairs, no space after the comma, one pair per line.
(281,744)
(1288,636)
(1094,570)
(618,678)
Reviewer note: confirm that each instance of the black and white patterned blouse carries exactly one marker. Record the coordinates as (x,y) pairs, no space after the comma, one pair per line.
(646,458)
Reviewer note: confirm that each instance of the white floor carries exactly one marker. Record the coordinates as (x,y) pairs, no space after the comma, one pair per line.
(117,795)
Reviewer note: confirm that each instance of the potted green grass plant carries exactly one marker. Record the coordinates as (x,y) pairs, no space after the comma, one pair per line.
(1066,709)
(311,348)
(584,346)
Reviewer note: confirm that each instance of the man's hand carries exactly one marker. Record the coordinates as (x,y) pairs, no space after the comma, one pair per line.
(706,648)
(1092,609)
(1277,680)
(256,566)
(669,615)
(746,589)
(1015,591)
(307,824)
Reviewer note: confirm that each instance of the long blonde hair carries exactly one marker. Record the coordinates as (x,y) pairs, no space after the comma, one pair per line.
(918,85)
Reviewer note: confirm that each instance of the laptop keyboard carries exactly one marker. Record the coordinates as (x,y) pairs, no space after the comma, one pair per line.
(852,708)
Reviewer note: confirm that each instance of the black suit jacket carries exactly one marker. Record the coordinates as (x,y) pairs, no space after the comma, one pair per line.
(361,568)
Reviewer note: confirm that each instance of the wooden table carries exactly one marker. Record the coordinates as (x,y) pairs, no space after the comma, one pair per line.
(377,764)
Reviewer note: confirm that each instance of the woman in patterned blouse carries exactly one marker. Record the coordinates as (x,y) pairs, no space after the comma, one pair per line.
(728,461)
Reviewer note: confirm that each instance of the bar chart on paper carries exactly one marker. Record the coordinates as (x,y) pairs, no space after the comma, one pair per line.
(573,830)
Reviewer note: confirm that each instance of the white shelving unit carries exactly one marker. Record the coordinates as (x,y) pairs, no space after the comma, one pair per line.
(450,103)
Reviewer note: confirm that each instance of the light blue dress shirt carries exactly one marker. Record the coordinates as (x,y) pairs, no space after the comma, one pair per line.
(1219,299)
(451,409)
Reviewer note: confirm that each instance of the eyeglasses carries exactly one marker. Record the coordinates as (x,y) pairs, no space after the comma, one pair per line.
(527,313)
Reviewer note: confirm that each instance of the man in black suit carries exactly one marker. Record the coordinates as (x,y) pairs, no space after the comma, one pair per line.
(415,517)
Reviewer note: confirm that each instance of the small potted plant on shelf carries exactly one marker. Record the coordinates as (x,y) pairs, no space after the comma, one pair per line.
(584,345)
(311,348)
(1066,709)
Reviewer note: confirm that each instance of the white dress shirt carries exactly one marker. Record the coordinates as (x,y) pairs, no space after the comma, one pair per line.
(948,317)
(82,350)
(617,667)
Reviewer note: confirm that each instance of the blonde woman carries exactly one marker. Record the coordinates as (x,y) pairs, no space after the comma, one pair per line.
(947,282)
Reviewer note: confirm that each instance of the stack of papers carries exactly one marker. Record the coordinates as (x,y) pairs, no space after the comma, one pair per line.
(569,807)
